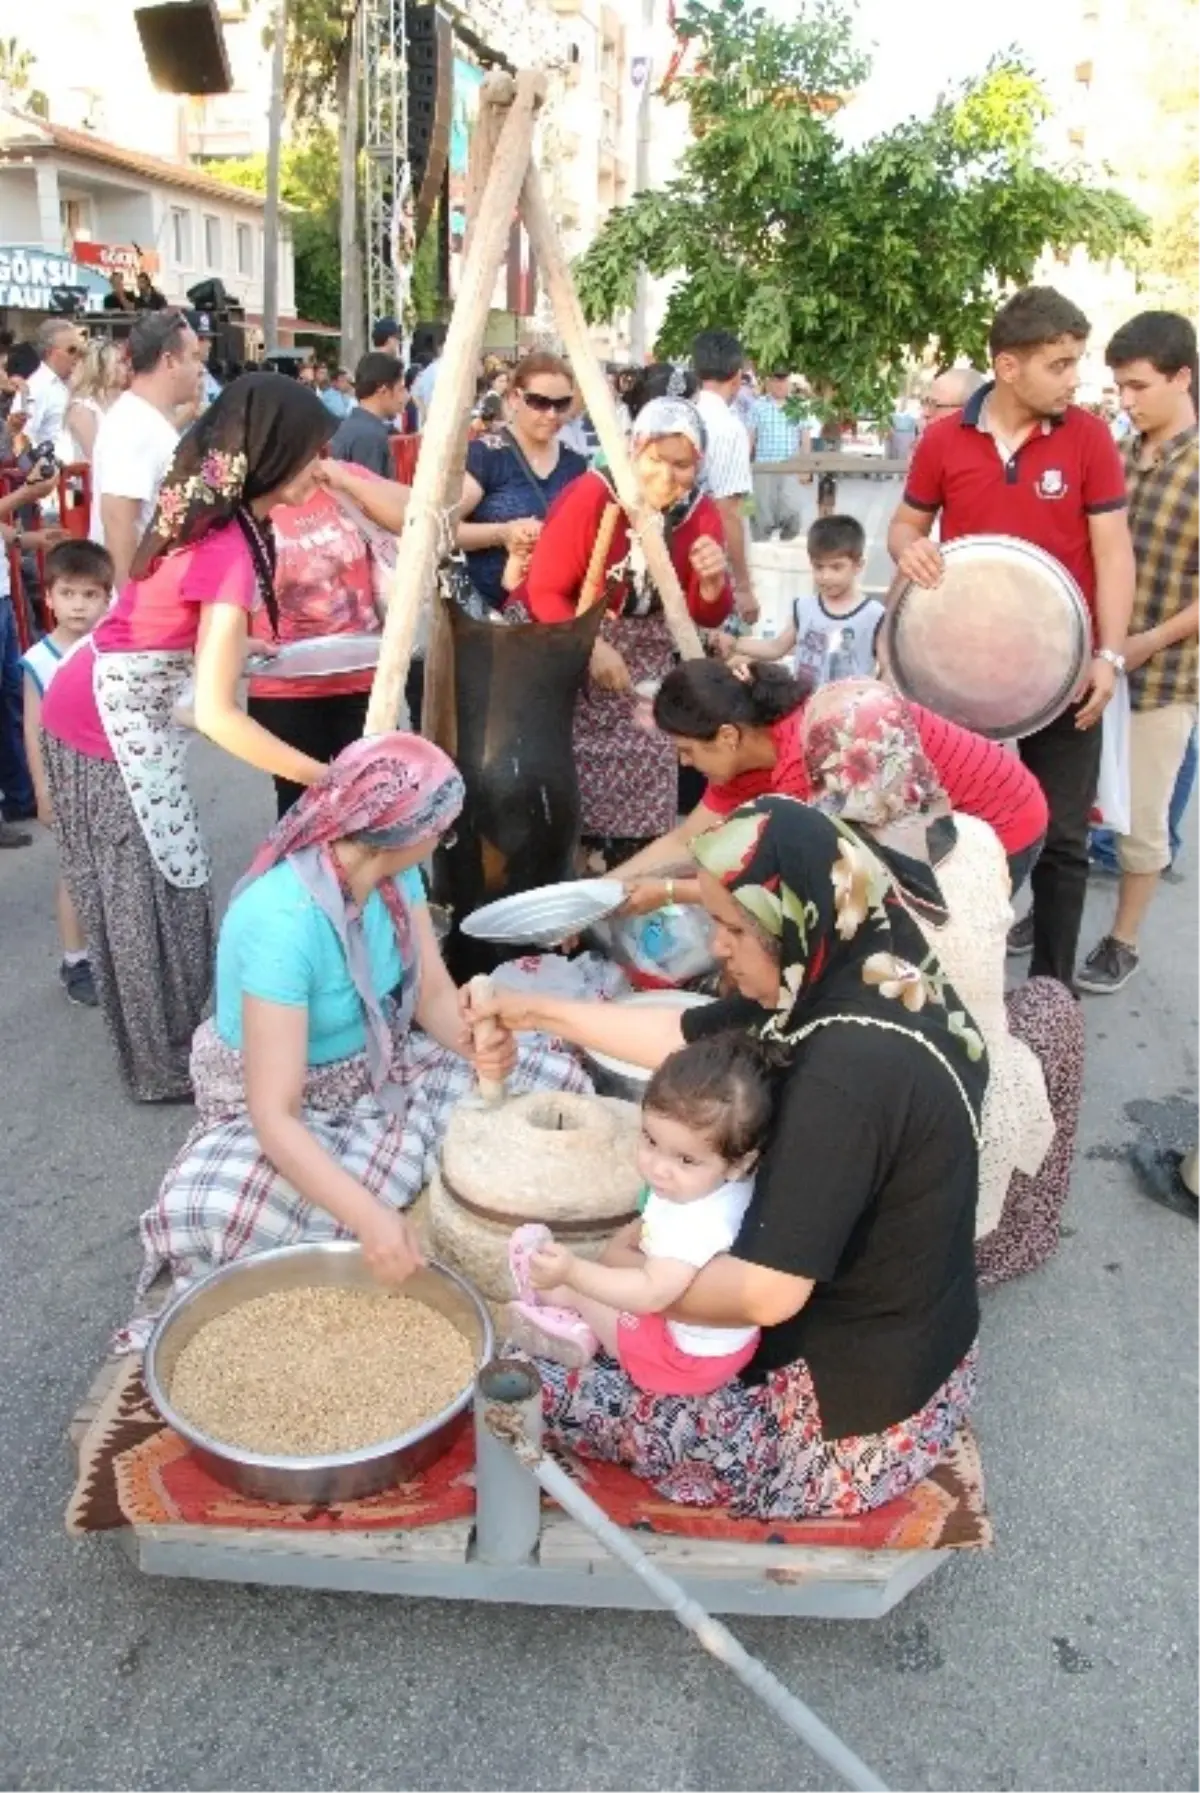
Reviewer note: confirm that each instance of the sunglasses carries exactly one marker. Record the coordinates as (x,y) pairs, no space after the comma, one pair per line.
(541,401)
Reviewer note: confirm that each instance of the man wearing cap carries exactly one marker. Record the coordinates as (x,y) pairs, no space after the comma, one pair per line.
(210,386)
(385,337)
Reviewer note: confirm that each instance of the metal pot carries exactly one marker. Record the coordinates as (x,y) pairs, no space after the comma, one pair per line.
(348,1475)
(616,1077)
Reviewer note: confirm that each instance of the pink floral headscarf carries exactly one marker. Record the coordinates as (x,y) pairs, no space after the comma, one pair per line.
(386,790)
(864,755)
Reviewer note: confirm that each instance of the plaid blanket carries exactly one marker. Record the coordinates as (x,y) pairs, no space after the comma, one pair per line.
(222,1197)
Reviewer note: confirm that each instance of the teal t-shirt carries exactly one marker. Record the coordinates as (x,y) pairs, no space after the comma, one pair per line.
(277,944)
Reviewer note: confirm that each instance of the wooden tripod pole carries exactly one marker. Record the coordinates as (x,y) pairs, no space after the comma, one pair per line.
(568,315)
(437,485)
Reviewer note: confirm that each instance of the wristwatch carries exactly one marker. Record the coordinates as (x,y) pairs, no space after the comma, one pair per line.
(1115,660)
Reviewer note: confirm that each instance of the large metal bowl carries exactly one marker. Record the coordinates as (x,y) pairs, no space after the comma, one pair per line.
(346,1475)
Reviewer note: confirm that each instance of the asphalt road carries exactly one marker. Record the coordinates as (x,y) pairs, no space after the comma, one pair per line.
(1065,1658)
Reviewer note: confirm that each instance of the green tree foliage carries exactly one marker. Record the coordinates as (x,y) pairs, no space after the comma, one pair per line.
(308,181)
(17,67)
(318,37)
(842,261)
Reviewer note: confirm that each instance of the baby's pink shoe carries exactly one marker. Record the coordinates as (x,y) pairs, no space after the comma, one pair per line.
(553,1332)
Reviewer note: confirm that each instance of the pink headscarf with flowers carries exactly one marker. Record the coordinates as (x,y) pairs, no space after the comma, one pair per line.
(864,755)
(388,790)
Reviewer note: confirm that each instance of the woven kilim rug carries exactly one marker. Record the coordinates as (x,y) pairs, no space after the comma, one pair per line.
(133,1470)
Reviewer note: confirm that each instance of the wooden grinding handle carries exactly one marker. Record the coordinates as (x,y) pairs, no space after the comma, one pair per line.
(593,579)
(483,1033)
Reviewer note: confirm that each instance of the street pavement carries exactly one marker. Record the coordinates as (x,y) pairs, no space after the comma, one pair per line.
(1063,1658)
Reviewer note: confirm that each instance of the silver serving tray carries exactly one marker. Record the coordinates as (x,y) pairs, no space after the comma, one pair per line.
(1000,646)
(616,1076)
(346,1475)
(321,656)
(546,916)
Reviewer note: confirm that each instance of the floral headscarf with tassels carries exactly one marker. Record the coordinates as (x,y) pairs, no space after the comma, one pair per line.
(866,763)
(848,949)
(864,755)
(386,790)
(255,436)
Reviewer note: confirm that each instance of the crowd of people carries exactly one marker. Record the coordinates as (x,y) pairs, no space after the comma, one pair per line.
(791,1327)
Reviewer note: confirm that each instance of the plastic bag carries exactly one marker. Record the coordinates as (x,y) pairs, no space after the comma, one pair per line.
(668,947)
(1112,806)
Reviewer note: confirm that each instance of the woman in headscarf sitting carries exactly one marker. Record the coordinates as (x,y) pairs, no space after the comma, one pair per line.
(627,774)
(866,764)
(128,828)
(325,1078)
(856,1253)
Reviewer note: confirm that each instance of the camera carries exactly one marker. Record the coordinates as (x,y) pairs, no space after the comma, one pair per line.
(43,462)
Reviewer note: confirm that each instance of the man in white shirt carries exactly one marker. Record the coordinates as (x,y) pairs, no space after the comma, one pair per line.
(717,359)
(60,344)
(137,436)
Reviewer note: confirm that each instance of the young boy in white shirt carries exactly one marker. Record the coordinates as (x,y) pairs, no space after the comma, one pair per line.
(78,591)
(833,627)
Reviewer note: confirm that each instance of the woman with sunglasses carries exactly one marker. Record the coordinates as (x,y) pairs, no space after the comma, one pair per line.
(515,473)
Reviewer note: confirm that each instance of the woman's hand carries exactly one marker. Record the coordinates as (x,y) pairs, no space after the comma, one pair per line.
(519,536)
(551,1266)
(508,1007)
(707,559)
(608,669)
(643,896)
(390,1247)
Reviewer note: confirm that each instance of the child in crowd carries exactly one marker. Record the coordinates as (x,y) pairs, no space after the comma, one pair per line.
(704,1119)
(833,627)
(79,578)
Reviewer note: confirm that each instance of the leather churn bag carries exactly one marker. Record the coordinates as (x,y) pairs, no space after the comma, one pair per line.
(509,732)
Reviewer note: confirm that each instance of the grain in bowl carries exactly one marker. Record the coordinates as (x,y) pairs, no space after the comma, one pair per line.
(314,1372)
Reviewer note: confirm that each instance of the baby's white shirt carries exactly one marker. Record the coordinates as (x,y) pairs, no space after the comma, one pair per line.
(694,1233)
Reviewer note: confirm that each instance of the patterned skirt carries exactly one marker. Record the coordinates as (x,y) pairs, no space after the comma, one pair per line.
(223,1198)
(1046,1017)
(627,775)
(757,1450)
(150,943)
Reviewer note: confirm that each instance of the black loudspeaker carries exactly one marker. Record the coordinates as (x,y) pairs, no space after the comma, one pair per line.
(184,46)
(430,39)
(209,295)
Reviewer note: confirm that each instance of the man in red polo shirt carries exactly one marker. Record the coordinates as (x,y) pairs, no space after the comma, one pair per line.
(1020,459)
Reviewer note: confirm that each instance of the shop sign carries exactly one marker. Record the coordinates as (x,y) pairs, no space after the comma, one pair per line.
(28,276)
(114,258)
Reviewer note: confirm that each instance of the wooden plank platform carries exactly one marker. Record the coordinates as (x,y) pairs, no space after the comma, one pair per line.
(438,1562)
(571,1569)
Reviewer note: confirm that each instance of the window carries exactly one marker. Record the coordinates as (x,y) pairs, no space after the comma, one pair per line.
(245,250)
(181,237)
(212,244)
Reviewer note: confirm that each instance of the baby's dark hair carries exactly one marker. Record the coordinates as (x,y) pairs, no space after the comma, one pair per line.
(699,697)
(80,560)
(721,1086)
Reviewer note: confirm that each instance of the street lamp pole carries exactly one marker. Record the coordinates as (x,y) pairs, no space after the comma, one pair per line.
(638,345)
(271,209)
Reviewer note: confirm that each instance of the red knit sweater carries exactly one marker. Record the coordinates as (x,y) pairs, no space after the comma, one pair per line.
(559,565)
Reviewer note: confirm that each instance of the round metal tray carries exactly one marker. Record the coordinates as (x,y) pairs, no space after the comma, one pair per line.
(320,656)
(1000,646)
(346,1475)
(615,1076)
(548,915)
